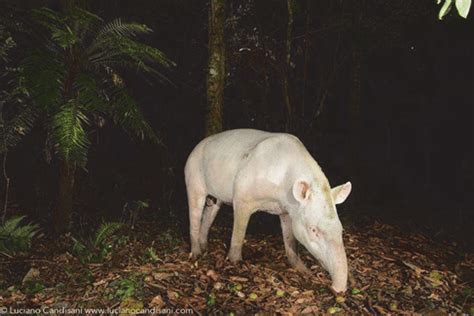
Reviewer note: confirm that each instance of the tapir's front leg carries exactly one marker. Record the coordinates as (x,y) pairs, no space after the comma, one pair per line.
(242,213)
(290,244)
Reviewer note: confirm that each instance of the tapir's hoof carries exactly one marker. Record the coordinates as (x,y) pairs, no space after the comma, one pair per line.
(234,258)
(203,246)
(195,253)
(302,268)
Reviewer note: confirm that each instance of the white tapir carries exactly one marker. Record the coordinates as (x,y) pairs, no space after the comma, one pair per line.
(256,170)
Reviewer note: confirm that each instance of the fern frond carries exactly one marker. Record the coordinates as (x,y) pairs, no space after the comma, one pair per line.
(19,125)
(42,74)
(105,231)
(70,134)
(117,28)
(89,93)
(126,113)
(10,225)
(16,237)
(120,47)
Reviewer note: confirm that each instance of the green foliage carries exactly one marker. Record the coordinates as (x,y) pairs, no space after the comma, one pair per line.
(98,248)
(462,7)
(126,288)
(68,126)
(15,237)
(75,78)
(151,255)
(16,114)
(171,239)
(211,300)
(33,287)
(17,126)
(105,231)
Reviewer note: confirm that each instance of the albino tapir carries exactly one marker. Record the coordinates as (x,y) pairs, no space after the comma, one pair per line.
(256,170)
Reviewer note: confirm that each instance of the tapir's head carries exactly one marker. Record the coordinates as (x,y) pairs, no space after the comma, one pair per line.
(317,226)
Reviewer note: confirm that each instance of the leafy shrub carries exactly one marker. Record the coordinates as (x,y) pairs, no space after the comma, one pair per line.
(151,255)
(100,246)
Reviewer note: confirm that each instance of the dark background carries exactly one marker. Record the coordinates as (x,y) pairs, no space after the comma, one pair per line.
(409,155)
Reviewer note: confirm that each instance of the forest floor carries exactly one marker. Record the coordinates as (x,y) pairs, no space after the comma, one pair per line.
(391,272)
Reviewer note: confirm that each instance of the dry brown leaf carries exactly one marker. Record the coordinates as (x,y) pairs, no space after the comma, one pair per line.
(157,301)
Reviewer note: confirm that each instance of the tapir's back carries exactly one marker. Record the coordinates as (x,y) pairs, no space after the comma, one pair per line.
(222,156)
(216,161)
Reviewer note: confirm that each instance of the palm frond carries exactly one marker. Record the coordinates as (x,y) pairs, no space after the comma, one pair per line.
(70,135)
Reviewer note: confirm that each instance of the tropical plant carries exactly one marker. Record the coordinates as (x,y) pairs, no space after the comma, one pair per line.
(15,237)
(97,249)
(75,78)
(17,115)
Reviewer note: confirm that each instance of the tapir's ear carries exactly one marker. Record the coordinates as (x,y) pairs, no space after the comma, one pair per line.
(341,192)
(301,190)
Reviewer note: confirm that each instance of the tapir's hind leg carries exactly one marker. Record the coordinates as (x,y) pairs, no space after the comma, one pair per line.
(210,212)
(196,203)
(290,244)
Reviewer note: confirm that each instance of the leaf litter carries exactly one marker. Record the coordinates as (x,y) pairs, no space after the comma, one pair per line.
(391,271)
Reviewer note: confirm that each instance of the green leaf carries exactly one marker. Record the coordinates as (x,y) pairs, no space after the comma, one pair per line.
(463,7)
(211,300)
(445,9)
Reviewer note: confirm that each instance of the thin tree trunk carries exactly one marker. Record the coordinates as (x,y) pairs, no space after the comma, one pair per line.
(67,170)
(286,88)
(216,67)
(4,167)
(306,57)
(62,212)
(355,99)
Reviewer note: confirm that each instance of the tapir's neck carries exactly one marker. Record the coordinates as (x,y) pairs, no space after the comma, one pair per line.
(310,169)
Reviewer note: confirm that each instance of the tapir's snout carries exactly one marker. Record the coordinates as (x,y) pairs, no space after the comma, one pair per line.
(332,256)
(337,266)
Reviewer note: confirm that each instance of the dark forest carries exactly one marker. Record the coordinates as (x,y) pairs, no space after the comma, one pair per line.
(102,103)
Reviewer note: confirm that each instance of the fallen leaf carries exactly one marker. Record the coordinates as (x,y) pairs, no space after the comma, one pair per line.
(157,301)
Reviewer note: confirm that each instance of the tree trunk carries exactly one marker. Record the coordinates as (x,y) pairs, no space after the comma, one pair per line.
(216,67)
(62,212)
(286,72)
